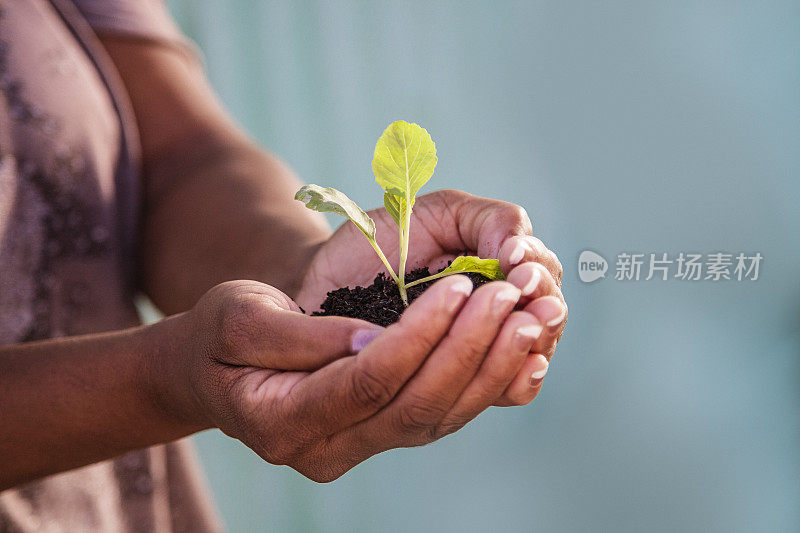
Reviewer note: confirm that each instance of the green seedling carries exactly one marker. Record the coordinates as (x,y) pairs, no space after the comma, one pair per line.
(404,160)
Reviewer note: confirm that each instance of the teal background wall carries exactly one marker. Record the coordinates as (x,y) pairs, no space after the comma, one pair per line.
(642,126)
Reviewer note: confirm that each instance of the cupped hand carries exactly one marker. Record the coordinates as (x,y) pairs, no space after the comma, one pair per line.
(322,394)
(445,224)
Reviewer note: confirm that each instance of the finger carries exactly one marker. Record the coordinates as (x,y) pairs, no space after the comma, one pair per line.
(415,416)
(527,383)
(505,360)
(551,312)
(546,310)
(535,281)
(257,330)
(467,222)
(353,388)
(520,249)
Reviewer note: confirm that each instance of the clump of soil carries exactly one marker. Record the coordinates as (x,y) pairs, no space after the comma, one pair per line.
(380,303)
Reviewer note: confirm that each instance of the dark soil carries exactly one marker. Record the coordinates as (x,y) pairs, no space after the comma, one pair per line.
(380,303)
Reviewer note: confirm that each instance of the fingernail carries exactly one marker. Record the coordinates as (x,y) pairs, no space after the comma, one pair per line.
(537,375)
(458,292)
(525,335)
(505,300)
(549,310)
(529,287)
(518,252)
(362,337)
(557,320)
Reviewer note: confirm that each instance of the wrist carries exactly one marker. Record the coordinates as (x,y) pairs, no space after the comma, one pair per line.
(306,256)
(288,274)
(166,363)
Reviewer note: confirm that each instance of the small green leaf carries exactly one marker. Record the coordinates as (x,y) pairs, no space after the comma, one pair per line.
(404,159)
(396,206)
(467,263)
(328,200)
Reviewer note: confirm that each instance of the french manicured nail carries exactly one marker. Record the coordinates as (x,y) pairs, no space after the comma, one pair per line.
(541,371)
(362,337)
(518,252)
(532,283)
(560,318)
(549,310)
(458,292)
(505,300)
(525,335)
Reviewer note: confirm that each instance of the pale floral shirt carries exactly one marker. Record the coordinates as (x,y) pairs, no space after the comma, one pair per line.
(69,204)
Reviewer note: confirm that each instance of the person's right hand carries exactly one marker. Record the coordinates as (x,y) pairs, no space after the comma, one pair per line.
(315,394)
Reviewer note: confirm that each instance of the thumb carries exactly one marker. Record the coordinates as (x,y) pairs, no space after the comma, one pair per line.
(270,333)
(301,342)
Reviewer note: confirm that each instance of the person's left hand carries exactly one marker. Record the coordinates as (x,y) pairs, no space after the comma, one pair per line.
(445,224)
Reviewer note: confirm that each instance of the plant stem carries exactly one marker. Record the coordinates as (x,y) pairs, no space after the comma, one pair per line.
(401,282)
(431,278)
(404,236)
(385,261)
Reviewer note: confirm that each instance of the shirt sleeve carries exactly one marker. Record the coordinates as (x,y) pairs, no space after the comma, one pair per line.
(144,19)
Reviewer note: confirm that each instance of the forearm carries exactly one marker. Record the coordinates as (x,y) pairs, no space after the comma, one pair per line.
(70,402)
(227,213)
(216,206)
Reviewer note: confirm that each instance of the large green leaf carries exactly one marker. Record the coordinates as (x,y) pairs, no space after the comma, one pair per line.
(328,200)
(404,159)
(467,263)
(396,207)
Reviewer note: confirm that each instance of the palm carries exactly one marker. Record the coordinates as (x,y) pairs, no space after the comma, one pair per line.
(347,259)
